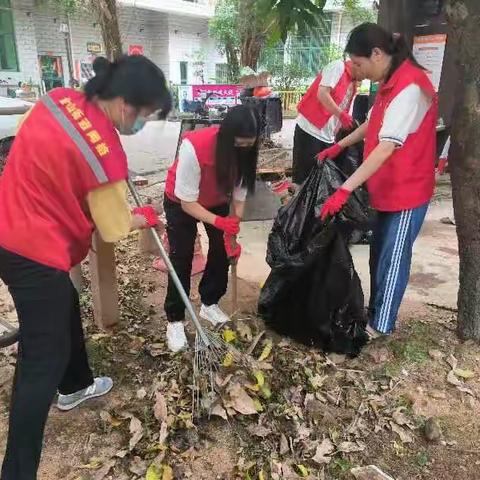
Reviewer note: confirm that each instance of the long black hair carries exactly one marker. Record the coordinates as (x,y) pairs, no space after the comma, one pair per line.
(367,36)
(135,78)
(237,166)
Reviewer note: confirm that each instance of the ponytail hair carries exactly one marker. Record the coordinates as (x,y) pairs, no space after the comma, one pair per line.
(134,78)
(367,36)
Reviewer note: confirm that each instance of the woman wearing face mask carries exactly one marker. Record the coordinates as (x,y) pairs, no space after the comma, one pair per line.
(208,183)
(399,165)
(66,175)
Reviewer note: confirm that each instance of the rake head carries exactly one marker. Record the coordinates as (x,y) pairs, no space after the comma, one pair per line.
(211,354)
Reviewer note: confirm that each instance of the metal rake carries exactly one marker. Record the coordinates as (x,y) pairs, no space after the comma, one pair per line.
(210,349)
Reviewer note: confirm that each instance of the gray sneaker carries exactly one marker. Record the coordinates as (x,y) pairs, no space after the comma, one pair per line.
(100,386)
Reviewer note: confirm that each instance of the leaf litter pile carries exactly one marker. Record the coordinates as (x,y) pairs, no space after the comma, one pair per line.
(405,409)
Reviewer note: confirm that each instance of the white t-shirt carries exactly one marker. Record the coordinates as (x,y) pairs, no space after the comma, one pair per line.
(446,148)
(187,182)
(404,115)
(331,75)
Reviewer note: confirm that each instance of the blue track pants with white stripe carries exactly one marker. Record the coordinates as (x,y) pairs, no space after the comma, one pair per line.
(390,261)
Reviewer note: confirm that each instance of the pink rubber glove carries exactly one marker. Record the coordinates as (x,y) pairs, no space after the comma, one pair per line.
(334,203)
(346,120)
(149,213)
(229,225)
(442,165)
(232,247)
(331,152)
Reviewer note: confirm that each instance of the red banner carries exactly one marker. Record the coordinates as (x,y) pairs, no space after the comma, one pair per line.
(222,94)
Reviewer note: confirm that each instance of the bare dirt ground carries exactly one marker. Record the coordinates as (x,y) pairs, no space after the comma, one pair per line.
(408,404)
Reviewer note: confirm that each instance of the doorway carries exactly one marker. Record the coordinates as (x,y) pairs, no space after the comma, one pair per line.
(51,69)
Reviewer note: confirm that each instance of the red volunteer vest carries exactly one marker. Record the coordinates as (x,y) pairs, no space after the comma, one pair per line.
(311,108)
(204,142)
(65,148)
(407,179)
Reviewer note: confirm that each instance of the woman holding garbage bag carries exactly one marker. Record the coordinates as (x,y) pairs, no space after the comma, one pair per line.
(208,183)
(66,175)
(399,165)
(322,112)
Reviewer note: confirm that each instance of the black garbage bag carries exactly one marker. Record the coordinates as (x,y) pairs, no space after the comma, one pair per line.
(313,293)
(348,161)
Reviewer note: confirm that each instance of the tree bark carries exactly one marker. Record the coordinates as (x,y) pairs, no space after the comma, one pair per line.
(107,15)
(464,159)
(232,61)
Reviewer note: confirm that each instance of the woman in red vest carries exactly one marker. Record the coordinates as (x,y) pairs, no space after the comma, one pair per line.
(323,110)
(65,175)
(208,183)
(399,166)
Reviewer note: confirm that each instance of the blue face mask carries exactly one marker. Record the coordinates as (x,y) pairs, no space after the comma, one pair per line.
(135,128)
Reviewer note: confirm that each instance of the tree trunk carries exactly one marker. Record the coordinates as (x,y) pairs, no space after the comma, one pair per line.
(107,16)
(232,61)
(464,159)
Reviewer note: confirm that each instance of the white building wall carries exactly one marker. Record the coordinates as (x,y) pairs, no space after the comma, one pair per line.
(167,39)
(188,41)
(342,25)
(26,44)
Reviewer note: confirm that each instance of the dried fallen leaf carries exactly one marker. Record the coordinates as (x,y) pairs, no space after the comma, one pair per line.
(141,393)
(219,411)
(284,447)
(400,417)
(405,436)
(153,473)
(453,380)
(259,431)
(267,350)
(228,360)
(160,409)
(323,452)
(465,374)
(136,431)
(302,470)
(241,401)
(104,470)
(93,464)
(244,331)
(108,418)
(351,447)
(229,335)
(163,433)
(370,473)
(167,473)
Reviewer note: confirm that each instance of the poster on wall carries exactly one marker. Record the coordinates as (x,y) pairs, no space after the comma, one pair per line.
(222,94)
(429,50)
(184,95)
(135,50)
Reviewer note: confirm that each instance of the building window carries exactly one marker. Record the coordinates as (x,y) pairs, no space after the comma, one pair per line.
(8,49)
(183,73)
(221,73)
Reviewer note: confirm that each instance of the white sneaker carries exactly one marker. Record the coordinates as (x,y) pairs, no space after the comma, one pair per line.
(214,315)
(176,338)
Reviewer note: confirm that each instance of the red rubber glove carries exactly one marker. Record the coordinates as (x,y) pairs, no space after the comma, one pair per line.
(442,165)
(331,152)
(149,213)
(229,225)
(346,120)
(334,203)
(232,247)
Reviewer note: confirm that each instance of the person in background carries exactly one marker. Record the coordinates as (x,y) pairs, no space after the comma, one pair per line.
(443,160)
(208,183)
(323,110)
(65,176)
(399,165)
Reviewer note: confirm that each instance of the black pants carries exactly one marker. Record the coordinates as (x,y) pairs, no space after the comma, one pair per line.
(51,356)
(181,232)
(305,150)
